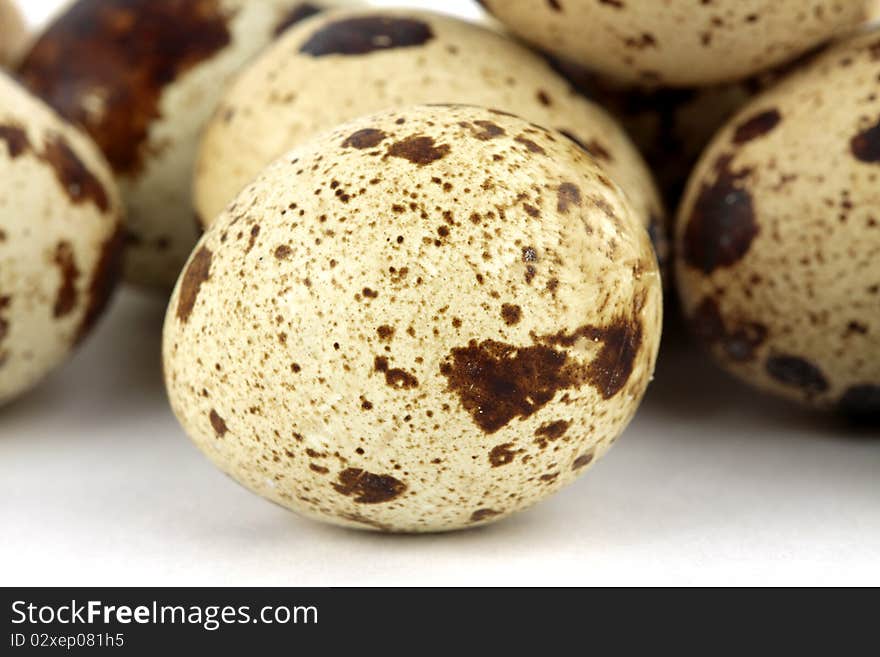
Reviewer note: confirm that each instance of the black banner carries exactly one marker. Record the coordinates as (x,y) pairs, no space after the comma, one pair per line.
(413,621)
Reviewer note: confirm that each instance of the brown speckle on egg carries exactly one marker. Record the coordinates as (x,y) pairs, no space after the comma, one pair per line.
(756,126)
(364,35)
(418,149)
(218,423)
(197,272)
(866,144)
(366,138)
(368,488)
(66,298)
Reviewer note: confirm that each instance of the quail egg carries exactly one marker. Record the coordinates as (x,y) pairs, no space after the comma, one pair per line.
(422,320)
(778,237)
(60,239)
(678,42)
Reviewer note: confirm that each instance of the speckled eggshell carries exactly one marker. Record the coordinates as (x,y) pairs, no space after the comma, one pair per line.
(339,66)
(779,236)
(678,42)
(13,33)
(142,77)
(60,239)
(421,321)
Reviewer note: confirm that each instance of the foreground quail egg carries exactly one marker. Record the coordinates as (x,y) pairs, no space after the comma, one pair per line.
(778,258)
(678,42)
(142,77)
(13,33)
(339,66)
(60,239)
(421,321)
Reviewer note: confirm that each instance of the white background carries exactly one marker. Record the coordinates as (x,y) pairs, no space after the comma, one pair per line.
(711,485)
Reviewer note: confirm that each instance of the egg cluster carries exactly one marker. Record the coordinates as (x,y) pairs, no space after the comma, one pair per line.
(420,266)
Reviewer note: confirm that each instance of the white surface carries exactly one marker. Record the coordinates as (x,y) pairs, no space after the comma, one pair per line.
(711,485)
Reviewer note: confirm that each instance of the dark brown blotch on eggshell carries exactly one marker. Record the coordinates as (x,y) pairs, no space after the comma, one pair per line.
(66,298)
(385,332)
(502,455)
(550,432)
(567,196)
(511,313)
(612,367)
(395,377)
(127,53)
(368,488)
(104,279)
(218,423)
(198,271)
(484,514)
(76,180)
(865,145)
(531,145)
(553,430)
(594,149)
(365,35)
(16,140)
(418,149)
(497,382)
(365,138)
(756,126)
(739,344)
(485,130)
(721,225)
(796,372)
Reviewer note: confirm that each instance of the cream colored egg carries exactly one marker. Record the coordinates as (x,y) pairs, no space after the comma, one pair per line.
(340,66)
(421,321)
(678,42)
(60,239)
(142,78)
(779,236)
(13,33)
